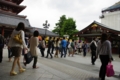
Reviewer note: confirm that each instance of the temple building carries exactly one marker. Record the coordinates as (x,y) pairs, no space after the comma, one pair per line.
(9,18)
(110,24)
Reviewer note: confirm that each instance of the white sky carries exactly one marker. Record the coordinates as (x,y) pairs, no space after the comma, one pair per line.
(82,11)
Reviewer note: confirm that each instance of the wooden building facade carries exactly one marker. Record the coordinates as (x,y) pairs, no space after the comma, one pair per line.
(95,29)
(9,18)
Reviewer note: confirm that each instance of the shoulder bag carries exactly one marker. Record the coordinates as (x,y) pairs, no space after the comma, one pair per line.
(18,38)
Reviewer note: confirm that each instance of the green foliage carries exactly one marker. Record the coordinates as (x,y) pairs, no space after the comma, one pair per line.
(65,26)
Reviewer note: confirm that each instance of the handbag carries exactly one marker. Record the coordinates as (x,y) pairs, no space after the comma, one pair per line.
(109,70)
(18,38)
(28,57)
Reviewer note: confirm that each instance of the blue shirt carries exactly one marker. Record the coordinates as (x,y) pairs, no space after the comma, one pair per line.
(64,43)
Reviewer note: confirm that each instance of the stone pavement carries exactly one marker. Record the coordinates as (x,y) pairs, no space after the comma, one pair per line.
(69,68)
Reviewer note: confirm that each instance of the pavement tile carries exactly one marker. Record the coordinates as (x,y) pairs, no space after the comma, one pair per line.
(50,70)
(47,75)
(55,77)
(44,78)
(33,76)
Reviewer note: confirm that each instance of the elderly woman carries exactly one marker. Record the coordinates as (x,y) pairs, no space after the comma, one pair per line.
(34,42)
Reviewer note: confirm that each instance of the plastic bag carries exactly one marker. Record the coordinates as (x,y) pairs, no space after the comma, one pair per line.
(109,70)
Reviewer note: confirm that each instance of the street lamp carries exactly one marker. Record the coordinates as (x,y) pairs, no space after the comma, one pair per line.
(46,25)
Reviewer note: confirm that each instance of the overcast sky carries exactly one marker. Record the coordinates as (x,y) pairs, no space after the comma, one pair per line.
(82,11)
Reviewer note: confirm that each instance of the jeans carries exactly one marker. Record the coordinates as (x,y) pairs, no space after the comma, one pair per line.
(63,50)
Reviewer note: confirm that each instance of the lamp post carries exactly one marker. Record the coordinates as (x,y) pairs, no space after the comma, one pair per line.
(46,25)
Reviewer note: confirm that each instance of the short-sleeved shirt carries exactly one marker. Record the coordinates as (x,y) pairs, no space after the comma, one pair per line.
(64,43)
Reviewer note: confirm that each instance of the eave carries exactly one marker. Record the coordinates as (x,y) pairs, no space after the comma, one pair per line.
(19,8)
(12,14)
(102,26)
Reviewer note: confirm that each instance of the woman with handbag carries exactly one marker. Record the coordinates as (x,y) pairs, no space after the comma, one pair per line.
(104,51)
(34,50)
(17,43)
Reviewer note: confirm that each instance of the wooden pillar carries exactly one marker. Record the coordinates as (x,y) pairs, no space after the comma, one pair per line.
(3,31)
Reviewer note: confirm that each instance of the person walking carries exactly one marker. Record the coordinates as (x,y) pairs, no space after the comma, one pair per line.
(57,48)
(49,48)
(53,45)
(119,52)
(67,50)
(105,54)
(64,45)
(93,47)
(60,46)
(42,46)
(9,54)
(1,46)
(16,47)
(79,46)
(84,46)
(34,42)
(119,57)
(70,48)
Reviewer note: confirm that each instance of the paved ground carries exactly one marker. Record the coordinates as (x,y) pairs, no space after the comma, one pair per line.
(69,68)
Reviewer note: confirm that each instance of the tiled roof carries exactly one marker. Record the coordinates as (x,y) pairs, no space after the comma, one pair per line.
(42,31)
(12,20)
(101,25)
(113,7)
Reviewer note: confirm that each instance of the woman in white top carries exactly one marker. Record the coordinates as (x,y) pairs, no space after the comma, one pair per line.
(34,42)
(16,47)
(57,47)
(104,51)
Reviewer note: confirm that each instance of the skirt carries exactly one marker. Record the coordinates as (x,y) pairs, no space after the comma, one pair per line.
(16,51)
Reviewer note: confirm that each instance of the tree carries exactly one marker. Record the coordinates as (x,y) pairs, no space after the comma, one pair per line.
(65,26)
(59,26)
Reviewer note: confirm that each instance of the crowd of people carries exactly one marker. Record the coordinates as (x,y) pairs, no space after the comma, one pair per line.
(55,46)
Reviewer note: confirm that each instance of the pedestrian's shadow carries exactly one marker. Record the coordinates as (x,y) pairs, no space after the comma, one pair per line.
(116,76)
(92,78)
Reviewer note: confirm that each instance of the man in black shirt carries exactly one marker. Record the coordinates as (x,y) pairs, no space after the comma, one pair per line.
(93,47)
(49,48)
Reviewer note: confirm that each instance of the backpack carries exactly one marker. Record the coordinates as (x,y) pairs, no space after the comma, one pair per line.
(41,45)
(92,46)
(72,45)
